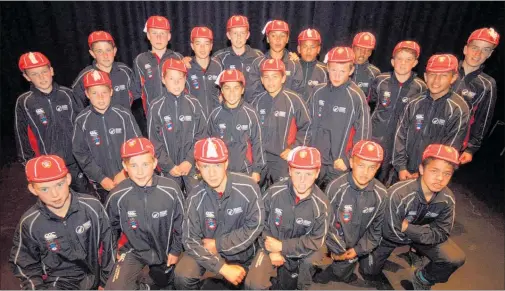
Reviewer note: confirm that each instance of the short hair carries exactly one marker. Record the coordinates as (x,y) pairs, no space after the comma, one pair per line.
(110,42)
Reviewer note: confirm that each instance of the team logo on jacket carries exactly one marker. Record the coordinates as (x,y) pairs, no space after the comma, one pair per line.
(242,127)
(194,82)
(279,113)
(362,84)
(132,219)
(313,82)
(42,115)
(430,214)
(149,70)
(95,137)
(222,129)
(419,121)
(232,67)
(168,122)
(346,215)
(368,209)
(468,93)
(411,215)
(84,227)
(120,88)
(263,112)
(52,241)
(185,118)
(113,131)
(278,217)
(339,109)
(303,222)
(386,98)
(248,68)
(438,121)
(320,108)
(233,211)
(405,99)
(61,108)
(210,220)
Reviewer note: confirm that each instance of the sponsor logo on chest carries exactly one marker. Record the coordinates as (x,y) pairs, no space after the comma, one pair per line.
(84,227)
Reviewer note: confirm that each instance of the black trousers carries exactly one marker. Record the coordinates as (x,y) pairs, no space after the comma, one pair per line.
(445,259)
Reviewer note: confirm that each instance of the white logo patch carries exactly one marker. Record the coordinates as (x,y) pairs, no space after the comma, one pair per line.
(280,114)
(263,111)
(321,102)
(185,118)
(39,111)
(438,121)
(82,228)
(313,82)
(278,211)
(431,214)
(132,213)
(368,209)
(362,84)
(209,214)
(339,109)
(348,208)
(60,108)
(115,130)
(233,211)
(50,235)
(242,127)
(405,99)
(119,88)
(93,133)
(303,222)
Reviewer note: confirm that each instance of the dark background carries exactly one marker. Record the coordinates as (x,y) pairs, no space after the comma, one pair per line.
(60,31)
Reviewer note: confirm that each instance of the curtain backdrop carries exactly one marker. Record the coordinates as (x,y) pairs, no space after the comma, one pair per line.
(60,31)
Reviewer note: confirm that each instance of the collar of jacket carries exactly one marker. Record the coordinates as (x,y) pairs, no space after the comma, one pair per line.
(470,76)
(39,93)
(114,67)
(308,64)
(395,81)
(239,106)
(93,109)
(74,207)
(227,190)
(443,98)
(246,51)
(171,96)
(196,65)
(341,87)
(368,188)
(437,196)
(292,192)
(138,189)
(153,55)
(365,64)
(284,58)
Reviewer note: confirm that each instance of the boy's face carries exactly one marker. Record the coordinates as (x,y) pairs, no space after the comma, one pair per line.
(309,50)
(53,194)
(158,38)
(403,62)
(103,52)
(439,83)
(99,96)
(363,171)
(202,47)
(477,52)
(141,168)
(175,81)
(437,174)
(272,80)
(277,40)
(303,179)
(340,73)
(361,55)
(212,174)
(41,77)
(232,93)
(238,36)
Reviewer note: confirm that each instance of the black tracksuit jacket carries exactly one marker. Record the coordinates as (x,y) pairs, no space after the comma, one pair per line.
(201,84)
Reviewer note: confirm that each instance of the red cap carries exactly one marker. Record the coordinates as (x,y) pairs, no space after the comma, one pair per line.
(408,44)
(442,63)
(32,60)
(45,168)
(364,40)
(136,146)
(339,55)
(156,21)
(174,64)
(237,21)
(273,65)
(486,34)
(203,32)
(275,25)
(442,152)
(309,34)
(100,36)
(303,157)
(368,150)
(211,150)
(232,75)
(95,78)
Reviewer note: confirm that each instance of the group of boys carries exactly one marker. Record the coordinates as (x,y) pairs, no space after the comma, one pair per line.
(256,165)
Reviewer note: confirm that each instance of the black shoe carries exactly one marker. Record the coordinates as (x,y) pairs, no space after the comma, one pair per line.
(418,283)
(323,276)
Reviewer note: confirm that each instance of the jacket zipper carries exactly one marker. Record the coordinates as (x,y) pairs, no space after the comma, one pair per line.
(205,93)
(51,108)
(394,106)
(106,136)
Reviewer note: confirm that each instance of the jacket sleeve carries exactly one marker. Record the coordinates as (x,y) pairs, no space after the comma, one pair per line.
(193,235)
(399,159)
(483,118)
(372,236)
(137,80)
(112,210)
(109,246)
(132,128)
(82,154)
(362,124)
(200,132)
(313,241)
(457,128)
(176,245)
(154,129)
(266,228)
(79,95)
(435,232)
(25,259)
(335,241)
(256,142)
(394,216)
(297,84)
(374,92)
(254,87)
(242,238)
(303,123)
(21,123)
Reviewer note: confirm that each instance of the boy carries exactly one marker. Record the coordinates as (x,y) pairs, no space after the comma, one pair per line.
(390,92)
(314,71)
(237,124)
(44,117)
(103,50)
(364,73)
(64,241)
(340,115)
(420,212)
(224,217)
(357,206)
(436,116)
(175,121)
(296,224)
(148,210)
(478,88)
(99,132)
